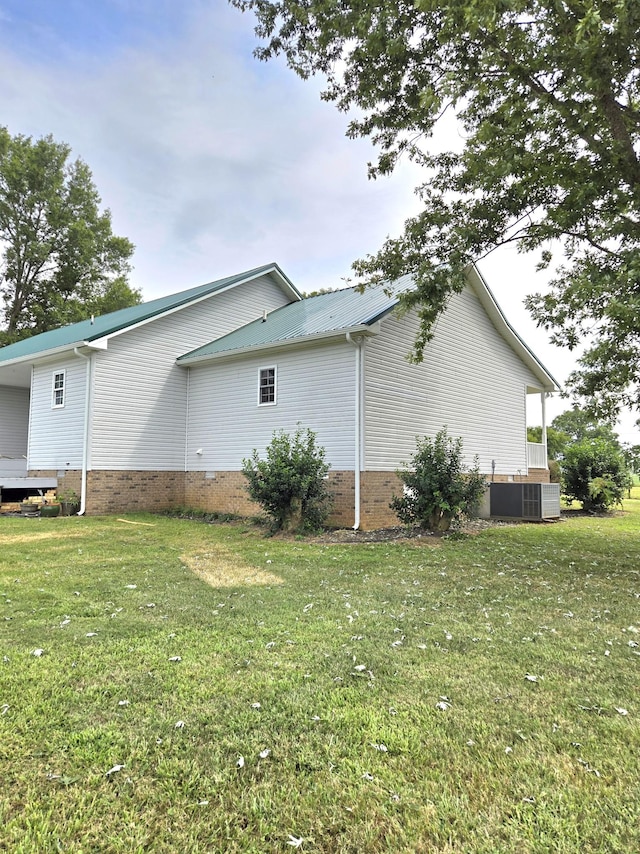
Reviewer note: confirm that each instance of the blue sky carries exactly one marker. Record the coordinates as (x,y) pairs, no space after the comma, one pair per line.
(210,161)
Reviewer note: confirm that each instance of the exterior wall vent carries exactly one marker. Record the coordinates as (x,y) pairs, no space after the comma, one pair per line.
(531,501)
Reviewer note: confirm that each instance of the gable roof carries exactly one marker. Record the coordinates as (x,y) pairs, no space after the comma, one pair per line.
(349,310)
(322,316)
(96,328)
(499,320)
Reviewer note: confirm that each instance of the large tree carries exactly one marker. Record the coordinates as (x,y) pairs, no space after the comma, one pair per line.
(59,259)
(546,94)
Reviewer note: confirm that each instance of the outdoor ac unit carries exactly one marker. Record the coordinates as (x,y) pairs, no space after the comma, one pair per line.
(531,501)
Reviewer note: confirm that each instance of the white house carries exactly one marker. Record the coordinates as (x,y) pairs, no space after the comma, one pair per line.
(157,405)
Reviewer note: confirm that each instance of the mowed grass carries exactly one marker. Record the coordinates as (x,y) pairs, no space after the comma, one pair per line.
(480,694)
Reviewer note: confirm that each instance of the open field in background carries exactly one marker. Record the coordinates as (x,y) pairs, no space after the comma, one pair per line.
(204,689)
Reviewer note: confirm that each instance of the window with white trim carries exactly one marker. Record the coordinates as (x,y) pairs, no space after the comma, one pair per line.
(57,393)
(267,387)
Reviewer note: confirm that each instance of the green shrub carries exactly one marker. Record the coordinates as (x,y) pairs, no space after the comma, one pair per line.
(594,473)
(438,488)
(555,471)
(290,483)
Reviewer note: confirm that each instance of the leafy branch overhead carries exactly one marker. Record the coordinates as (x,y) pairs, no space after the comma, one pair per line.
(547,100)
(59,259)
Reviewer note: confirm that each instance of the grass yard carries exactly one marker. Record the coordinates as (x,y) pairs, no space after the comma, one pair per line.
(172,686)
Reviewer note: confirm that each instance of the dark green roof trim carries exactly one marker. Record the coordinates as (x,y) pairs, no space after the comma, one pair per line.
(325,315)
(109,324)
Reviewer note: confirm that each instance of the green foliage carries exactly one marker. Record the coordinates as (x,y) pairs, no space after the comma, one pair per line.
(577,424)
(546,97)
(594,473)
(631,455)
(60,260)
(555,471)
(289,484)
(438,487)
(557,440)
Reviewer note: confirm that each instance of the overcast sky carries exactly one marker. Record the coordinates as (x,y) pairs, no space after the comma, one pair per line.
(210,161)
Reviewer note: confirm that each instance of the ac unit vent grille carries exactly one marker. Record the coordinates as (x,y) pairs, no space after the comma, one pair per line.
(531,501)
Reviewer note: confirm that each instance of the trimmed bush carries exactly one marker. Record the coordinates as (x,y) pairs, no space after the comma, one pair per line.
(594,473)
(290,483)
(438,487)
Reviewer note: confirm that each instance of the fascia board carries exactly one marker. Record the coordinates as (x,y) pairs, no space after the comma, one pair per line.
(44,355)
(490,305)
(360,329)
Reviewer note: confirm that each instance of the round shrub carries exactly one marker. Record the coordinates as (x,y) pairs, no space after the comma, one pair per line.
(594,473)
(290,483)
(438,487)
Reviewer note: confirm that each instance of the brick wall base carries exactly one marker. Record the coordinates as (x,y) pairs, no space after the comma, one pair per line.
(120,491)
(534,476)
(225,492)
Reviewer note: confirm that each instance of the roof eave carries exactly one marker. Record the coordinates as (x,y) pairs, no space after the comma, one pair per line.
(100,339)
(44,355)
(282,343)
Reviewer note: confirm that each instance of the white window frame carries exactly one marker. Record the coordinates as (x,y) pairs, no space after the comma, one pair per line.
(55,389)
(273,402)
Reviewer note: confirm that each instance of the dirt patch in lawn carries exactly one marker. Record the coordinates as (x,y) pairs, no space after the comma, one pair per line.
(401,533)
(221,568)
(31,536)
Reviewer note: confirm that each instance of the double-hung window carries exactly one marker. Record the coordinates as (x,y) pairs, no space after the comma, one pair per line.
(57,390)
(267,387)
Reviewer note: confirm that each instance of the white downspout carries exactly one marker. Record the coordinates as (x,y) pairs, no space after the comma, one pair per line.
(85,442)
(186,427)
(357,430)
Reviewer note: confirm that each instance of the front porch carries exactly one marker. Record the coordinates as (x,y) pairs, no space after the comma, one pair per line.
(15,484)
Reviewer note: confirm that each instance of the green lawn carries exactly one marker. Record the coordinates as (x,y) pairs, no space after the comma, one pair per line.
(476,695)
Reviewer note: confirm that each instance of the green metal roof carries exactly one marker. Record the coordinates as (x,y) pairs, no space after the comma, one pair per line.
(108,324)
(315,316)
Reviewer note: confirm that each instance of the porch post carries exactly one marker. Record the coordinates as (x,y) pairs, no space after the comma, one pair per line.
(543,400)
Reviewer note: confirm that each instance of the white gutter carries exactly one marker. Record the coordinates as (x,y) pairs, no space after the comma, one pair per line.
(357,430)
(361,329)
(85,442)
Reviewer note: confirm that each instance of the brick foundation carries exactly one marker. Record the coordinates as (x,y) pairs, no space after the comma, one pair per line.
(225,492)
(534,476)
(221,492)
(376,491)
(121,491)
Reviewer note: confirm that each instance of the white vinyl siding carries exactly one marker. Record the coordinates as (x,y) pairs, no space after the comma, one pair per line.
(470,380)
(14,422)
(315,388)
(140,394)
(56,436)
